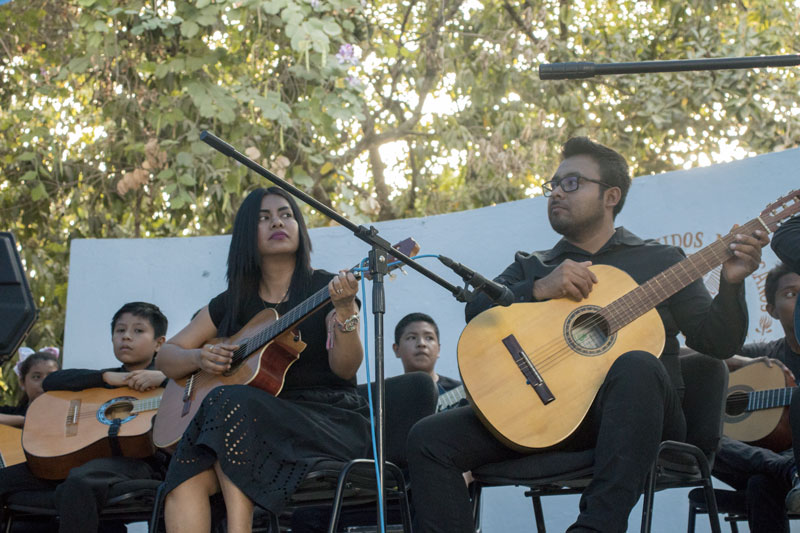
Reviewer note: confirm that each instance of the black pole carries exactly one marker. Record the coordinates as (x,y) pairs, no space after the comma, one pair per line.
(583,69)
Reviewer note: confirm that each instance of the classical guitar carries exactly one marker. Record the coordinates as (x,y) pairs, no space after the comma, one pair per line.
(65,429)
(532,370)
(268,346)
(757,406)
(10,446)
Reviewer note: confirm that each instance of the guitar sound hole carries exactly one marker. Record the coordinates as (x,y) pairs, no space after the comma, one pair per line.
(736,403)
(119,410)
(590,331)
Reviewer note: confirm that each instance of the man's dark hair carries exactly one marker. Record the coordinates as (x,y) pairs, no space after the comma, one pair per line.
(408,319)
(144,310)
(613,167)
(773,277)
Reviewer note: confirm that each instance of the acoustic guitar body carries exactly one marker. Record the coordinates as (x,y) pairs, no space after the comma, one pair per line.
(765,427)
(568,346)
(264,368)
(65,429)
(10,446)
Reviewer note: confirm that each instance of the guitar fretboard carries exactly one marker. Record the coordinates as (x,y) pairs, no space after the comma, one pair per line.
(645,297)
(768,399)
(148,404)
(450,398)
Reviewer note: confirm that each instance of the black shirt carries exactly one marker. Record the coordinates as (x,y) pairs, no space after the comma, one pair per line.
(78,379)
(715,327)
(312,369)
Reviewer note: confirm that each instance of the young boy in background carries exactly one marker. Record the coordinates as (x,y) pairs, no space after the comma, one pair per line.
(138,330)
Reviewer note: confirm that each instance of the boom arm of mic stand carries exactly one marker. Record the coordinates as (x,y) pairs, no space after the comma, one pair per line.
(583,69)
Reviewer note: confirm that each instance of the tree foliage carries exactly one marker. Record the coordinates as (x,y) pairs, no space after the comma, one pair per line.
(381,109)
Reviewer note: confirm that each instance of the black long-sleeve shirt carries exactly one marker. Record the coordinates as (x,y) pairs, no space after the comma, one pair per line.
(78,379)
(715,327)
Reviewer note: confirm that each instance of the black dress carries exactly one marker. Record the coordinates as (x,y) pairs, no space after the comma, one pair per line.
(267,444)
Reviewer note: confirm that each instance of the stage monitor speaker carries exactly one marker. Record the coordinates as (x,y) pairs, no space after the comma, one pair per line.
(17,310)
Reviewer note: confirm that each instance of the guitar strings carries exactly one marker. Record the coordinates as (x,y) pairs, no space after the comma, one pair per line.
(628,314)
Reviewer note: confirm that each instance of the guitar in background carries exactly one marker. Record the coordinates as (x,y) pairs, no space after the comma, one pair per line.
(10,446)
(757,406)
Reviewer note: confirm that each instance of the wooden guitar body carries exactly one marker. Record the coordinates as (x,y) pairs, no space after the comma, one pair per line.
(64,429)
(757,406)
(566,343)
(10,446)
(264,368)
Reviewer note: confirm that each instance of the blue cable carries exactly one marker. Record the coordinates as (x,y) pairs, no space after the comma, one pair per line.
(369,388)
(369,399)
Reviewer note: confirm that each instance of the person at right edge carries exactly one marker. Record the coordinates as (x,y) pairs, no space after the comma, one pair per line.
(786,245)
(639,402)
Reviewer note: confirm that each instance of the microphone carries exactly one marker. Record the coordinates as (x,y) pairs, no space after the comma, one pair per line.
(499,294)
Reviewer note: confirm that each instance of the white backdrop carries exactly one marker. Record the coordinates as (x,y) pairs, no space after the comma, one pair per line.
(180,275)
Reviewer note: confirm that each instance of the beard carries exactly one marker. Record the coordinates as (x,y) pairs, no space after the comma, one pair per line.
(572,226)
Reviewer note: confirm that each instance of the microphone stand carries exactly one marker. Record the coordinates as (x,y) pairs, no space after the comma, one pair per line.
(584,69)
(378,267)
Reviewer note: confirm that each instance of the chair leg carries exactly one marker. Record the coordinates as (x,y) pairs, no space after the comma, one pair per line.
(539,514)
(649,495)
(692,518)
(476,492)
(158,507)
(711,502)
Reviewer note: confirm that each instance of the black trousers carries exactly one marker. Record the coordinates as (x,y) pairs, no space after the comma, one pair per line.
(764,475)
(81,496)
(635,409)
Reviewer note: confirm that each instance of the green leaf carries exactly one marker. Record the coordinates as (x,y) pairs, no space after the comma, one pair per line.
(189,29)
(30,175)
(38,192)
(332,28)
(187,179)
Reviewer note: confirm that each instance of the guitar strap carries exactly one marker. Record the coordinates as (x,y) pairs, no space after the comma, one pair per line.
(797,319)
(113,434)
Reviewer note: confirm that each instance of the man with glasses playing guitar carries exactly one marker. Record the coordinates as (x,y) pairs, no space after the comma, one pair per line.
(638,402)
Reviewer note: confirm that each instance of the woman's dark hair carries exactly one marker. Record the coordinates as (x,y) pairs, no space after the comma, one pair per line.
(26,366)
(244,260)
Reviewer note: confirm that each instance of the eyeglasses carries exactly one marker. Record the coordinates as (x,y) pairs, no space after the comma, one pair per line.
(568,183)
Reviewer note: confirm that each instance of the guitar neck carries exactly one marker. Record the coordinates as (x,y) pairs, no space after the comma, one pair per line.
(147,404)
(293,317)
(450,398)
(769,399)
(645,297)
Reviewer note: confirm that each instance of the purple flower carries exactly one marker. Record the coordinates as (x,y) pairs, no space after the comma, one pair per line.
(353,82)
(347,54)
(314,4)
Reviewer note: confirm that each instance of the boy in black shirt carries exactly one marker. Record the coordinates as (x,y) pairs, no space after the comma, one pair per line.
(138,330)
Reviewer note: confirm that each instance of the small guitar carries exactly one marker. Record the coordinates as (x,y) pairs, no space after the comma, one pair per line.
(65,429)
(10,446)
(756,406)
(268,346)
(532,370)
(451,398)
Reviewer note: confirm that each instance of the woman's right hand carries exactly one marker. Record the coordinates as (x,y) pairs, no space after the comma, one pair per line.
(215,358)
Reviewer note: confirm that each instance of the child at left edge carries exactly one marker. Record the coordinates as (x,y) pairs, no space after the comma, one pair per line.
(138,330)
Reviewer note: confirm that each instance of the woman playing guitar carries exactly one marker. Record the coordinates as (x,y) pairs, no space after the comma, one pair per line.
(245,442)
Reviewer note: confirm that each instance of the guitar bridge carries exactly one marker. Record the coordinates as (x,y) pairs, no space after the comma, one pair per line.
(73,415)
(528,369)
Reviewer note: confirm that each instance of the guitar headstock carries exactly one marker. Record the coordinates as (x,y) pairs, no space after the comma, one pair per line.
(408,247)
(781,209)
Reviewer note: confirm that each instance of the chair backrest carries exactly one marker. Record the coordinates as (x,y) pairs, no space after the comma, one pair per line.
(409,398)
(706,382)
